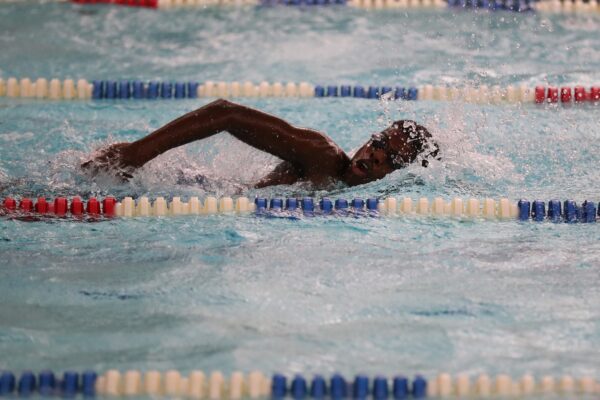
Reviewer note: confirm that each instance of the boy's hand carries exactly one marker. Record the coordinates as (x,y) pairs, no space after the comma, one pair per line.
(112,159)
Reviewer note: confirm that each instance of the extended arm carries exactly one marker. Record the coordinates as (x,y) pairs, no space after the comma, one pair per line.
(304,148)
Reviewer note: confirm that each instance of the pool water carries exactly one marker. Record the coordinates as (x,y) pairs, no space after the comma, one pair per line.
(374,295)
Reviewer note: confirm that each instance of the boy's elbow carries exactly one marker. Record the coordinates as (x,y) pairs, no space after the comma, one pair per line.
(223,103)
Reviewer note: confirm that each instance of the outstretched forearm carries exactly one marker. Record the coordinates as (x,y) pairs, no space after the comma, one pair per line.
(195,125)
(265,132)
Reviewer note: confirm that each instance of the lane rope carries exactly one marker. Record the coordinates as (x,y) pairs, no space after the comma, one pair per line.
(255,385)
(584,7)
(553,6)
(503,209)
(54,89)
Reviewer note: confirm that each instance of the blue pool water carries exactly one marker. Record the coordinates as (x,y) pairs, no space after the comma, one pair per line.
(314,295)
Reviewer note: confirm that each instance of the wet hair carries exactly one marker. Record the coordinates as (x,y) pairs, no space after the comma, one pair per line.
(420,140)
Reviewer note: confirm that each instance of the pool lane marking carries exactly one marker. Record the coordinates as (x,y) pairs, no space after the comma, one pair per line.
(490,209)
(54,89)
(547,6)
(256,385)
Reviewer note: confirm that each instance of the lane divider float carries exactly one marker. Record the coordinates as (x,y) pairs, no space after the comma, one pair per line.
(42,88)
(568,6)
(493,5)
(375,4)
(550,6)
(255,385)
(68,89)
(503,209)
(555,6)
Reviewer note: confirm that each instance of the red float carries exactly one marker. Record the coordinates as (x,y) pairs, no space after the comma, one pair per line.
(540,94)
(130,3)
(26,205)
(108,206)
(93,206)
(552,95)
(41,206)
(565,94)
(76,206)
(10,203)
(60,206)
(580,94)
(595,93)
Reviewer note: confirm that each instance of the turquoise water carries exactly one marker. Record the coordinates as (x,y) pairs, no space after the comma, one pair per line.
(314,295)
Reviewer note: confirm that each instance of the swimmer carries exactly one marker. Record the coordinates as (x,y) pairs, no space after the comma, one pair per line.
(307,155)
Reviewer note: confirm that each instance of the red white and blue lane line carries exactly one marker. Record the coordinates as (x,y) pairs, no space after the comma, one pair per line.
(555,6)
(488,209)
(55,89)
(256,385)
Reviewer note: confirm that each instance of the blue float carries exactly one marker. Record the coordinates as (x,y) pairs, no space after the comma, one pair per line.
(380,388)
(47,383)
(7,383)
(319,91)
(261,203)
(138,90)
(400,93)
(341,204)
(332,91)
(554,210)
(166,90)
(70,384)
(88,383)
(338,387)
(570,211)
(111,90)
(412,94)
(124,90)
(298,388)
(359,91)
(538,210)
(524,209)
(318,387)
(496,5)
(373,92)
(345,91)
(326,205)
(372,204)
(278,386)
(360,387)
(152,92)
(97,90)
(276,204)
(308,204)
(385,90)
(192,90)
(27,383)
(291,204)
(358,204)
(179,90)
(589,212)
(400,388)
(520,6)
(419,387)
